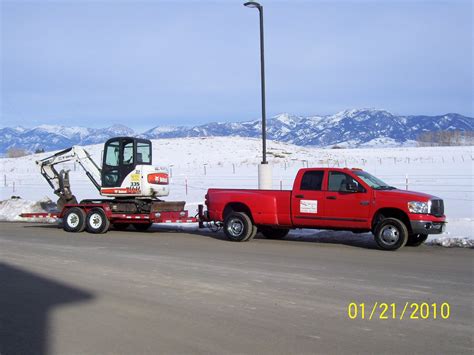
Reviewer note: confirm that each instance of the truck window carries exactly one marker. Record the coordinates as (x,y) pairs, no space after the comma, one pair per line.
(312,180)
(338,181)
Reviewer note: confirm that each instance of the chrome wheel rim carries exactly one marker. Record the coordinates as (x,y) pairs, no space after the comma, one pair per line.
(390,235)
(72,220)
(235,227)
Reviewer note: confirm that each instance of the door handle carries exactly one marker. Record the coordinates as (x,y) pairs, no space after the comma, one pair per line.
(364,203)
(299,196)
(331,197)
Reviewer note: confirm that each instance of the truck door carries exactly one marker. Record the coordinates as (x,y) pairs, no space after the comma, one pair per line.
(345,208)
(307,199)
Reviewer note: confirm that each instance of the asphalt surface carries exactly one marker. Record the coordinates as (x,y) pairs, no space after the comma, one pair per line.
(186,292)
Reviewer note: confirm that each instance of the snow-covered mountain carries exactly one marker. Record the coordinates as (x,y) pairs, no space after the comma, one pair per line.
(350,128)
(50,137)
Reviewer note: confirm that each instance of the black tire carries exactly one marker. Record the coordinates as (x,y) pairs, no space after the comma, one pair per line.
(96,221)
(415,240)
(74,220)
(391,234)
(274,233)
(238,227)
(142,226)
(121,226)
(253,234)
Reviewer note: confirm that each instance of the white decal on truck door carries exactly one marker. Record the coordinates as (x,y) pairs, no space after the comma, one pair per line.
(309,206)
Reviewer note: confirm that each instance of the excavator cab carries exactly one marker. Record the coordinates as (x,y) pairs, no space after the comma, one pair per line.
(121,157)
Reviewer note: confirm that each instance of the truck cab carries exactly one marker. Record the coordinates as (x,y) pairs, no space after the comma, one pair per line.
(354,199)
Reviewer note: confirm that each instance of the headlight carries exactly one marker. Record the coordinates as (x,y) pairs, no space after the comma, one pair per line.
(418,207)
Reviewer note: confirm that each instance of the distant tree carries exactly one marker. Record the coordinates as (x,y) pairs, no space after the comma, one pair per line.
(445,138)
(39,150)
(16,152)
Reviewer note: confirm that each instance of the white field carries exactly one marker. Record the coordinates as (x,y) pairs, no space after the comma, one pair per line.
(201,163)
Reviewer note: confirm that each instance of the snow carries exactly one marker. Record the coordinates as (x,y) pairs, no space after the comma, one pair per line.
(446,172)
(11,209)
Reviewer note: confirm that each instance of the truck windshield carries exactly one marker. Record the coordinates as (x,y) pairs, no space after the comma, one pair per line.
(372,181)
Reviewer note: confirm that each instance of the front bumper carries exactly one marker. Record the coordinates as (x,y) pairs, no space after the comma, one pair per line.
(427,227)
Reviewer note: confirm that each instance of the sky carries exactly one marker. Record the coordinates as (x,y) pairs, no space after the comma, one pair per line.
(149,63)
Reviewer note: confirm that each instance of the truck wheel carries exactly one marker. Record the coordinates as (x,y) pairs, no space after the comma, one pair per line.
(238,227)
(415,240)
(142,226)
(74,220)
(96,221)
(275,233)
(391,234)
(121,226)
(253,234)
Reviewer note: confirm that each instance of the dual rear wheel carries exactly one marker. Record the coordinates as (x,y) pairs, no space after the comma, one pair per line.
(238,227)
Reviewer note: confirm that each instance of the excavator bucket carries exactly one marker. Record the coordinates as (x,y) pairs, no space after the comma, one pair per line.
(62,201)
(64,191)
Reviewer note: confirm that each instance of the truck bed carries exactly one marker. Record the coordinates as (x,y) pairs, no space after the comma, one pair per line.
(272,207)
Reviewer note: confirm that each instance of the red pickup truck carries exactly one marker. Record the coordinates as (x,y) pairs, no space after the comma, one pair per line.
(329,198)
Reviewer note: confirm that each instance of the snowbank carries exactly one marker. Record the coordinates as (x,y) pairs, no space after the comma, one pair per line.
(11,209)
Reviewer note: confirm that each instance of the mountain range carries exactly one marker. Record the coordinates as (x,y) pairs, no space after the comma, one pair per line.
(350,128)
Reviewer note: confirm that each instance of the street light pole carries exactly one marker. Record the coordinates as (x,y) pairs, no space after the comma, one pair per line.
(264,170)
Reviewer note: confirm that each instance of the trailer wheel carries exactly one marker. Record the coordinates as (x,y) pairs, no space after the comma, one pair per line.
(415,240)
(238,227)
(274,233)
(142,226)
(96,221)
(391,234)
(121,226)
(74,220)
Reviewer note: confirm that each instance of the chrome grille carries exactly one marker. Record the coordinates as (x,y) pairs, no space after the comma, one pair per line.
(437,208)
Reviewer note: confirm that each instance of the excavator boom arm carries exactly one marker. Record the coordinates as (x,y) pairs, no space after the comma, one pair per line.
(59,182)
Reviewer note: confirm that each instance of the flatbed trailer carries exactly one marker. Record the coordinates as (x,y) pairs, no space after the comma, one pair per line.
(97,217)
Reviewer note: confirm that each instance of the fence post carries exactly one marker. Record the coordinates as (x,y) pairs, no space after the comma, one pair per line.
(233,168)
(5,180)
(205,171)
(281,185)
(406,182)
(13,186)
(186,184)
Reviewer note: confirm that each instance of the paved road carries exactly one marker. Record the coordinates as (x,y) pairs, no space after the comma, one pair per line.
(178,292)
